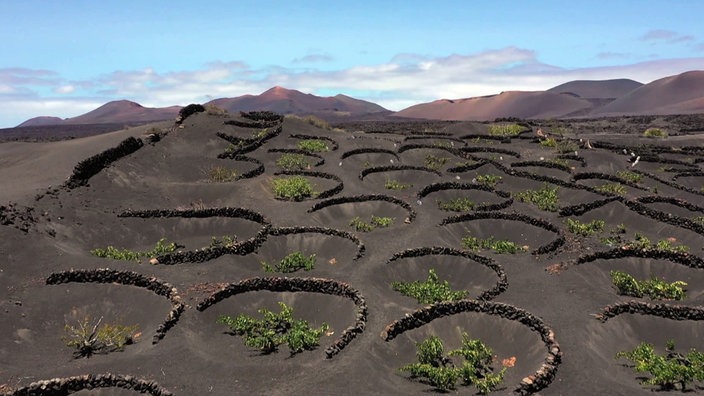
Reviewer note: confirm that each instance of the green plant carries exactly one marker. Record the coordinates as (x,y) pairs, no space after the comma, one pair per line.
(641,242)
(655,288)
(360,225)
(585,229)
(488,180)
(292,263)
(630,176)
(274,330)
(612,188)
(378,221)
(220,174)
(669,370)
(461,204)
(430,291)
(559,161)
(313,145)
(294,188)
(545,198)
(699,220)
(392,184)
(114,253)
(435,162)
(499,246)
(226,241)
(549,142)
(90,338)
(442,372)
(293,162)
(505,129)
(655,133)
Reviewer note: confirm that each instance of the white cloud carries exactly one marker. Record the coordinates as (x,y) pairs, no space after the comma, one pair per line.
(405,80)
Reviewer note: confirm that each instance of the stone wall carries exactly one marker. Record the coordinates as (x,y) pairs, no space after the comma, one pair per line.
(91,166)
(65,386)
(365,198)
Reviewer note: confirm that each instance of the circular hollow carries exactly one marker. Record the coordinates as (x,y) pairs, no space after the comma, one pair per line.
(128,278)
(667,217)
(357,199)
(391,168)
(325,194)
(367,156)
(487,195)
(540,379)
(624,332)
(690,181)
(462,276)
(242,146)
(325,249)
(511,231)
(490,151)
(435,140)
(597,279)
(320,160)
(315,137)
(313,285)
(545,168)
(211,252)
(69,385)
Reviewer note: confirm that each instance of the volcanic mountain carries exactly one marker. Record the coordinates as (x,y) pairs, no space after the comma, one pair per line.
(289,101)
(115,112)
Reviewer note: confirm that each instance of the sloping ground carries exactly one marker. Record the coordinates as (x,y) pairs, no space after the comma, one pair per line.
(540,305)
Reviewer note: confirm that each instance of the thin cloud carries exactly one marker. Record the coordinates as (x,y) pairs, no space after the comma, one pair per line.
(667,36)
(608,55)
(313,58)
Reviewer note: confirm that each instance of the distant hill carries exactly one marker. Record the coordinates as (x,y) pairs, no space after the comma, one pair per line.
(597,89)
(289,101)
(680,94)
(522,104)
(125,111)
(41,121)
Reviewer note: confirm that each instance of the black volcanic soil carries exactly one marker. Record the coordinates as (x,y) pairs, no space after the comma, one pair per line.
(49,228)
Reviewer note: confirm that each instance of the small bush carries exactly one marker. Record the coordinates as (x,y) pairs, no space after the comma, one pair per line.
(655,288)
(293,162)
(499,246)
(294,188)
(632,177)
(641,242)
(462,204)
(313,145)
(669,370)
(655,133)
(549,142)
(488,180)
(442,372)
(376,222)
(225,241)
(434,162)
(221,174)
(545,198)
(292,263)
(274,330)
(392,184)
(430,291)
(211,109)
(112,252)
(90,338)
(505,129)
(585,229)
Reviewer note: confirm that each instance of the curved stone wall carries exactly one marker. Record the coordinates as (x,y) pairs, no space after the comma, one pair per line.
(467,186)
(91,166)
(531,384)
(66,386)
(368,150)
(667,311)
(685,259)
(334,144)
(392,168)
(312,285)
(211,253)
(320,159)
(129,278)
(501,284)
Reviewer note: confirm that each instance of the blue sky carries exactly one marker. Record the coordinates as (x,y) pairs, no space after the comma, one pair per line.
(66,58)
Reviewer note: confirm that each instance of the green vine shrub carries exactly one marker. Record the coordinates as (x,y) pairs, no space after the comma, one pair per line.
(655,288)
(670,371)
(294,188)
(313,145)
(462,204)
(292,263)
(499,246)
(114,253)
(472,364)
(585,229)
(275,329)
(430,291)
(544,198)
(293,162)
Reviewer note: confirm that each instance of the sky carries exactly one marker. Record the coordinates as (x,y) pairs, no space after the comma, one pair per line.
(66,58)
